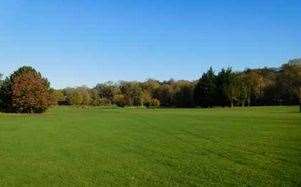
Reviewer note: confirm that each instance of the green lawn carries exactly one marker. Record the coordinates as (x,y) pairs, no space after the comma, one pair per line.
(152,147)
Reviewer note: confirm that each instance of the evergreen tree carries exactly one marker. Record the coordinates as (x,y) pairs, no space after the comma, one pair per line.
(205,90)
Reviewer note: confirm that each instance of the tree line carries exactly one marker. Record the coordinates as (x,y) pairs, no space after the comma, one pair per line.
(251,87)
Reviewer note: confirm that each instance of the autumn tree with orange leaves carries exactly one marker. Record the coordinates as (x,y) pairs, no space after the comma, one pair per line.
(26,91)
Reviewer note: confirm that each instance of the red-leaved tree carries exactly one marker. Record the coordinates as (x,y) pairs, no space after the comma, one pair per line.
(29,92)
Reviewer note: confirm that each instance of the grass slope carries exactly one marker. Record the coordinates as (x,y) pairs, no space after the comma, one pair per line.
(163,147)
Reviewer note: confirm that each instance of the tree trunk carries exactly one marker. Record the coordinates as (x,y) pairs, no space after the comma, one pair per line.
(231,103)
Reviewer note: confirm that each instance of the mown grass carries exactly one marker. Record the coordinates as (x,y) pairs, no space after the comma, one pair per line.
(68,146)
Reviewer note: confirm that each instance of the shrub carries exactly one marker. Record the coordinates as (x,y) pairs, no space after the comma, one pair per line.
(101,102)
(120,100)
(74,97)
(146,98)
(58,97)
(155,103)
(148,101)
(78,96)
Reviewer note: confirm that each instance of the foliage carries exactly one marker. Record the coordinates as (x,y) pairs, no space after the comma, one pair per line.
(132,93)
(58,97)
(232,88)
(150,86)
(146,98)
(154,103)
(107,91)
(266,86)
(183,96)
(148,101)
(165,95)
(25,91)
(205,91)
(78,96)
(1,81)
(120,100)
(289,82)
(252,87)
(5,96)
(253,83)
(225,87)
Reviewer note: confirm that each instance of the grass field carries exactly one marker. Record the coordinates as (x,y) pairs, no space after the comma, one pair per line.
(162,147)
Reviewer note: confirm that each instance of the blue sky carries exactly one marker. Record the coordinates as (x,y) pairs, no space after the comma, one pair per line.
(84,42)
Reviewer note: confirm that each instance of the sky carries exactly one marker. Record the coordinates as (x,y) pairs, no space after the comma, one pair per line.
(85,42)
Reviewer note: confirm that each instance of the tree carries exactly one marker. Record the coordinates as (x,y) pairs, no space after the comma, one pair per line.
(1,76)
(120,100)
(25,91)
(78,96)
(253,81)
(107,90)
(289,82)
(1,82)
(95,98)
(150,86)
(146,98)
(5,95)
(183,96)
(224,87)
(205,90)
(296,62)
(232,89)
(58,97)
(74,97)
(244,89)
(164,94)
(268,94)
(132,93)
(84,91)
